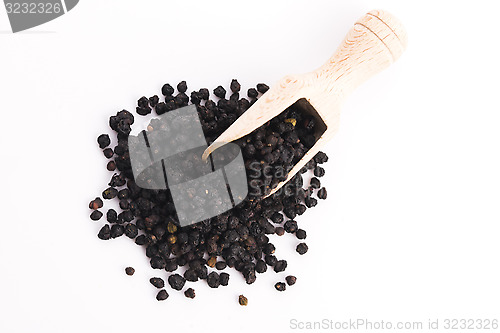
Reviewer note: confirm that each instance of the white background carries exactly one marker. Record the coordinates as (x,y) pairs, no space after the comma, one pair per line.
(411,225)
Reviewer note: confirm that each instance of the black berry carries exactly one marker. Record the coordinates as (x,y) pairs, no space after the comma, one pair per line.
(280,286)
(189,293)
(103,140)
(157,282)
(176,281)
(290,280)
(162,295)
(302,248)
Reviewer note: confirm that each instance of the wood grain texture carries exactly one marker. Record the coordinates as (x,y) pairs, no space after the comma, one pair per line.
(375,41)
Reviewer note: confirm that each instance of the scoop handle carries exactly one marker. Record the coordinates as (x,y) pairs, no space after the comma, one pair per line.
(374,42)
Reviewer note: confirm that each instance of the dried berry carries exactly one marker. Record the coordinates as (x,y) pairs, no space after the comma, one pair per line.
(277,218)
(157,282)
(141,240)
(280,286)
(322,193)
(211,262)
(111,166)
(220,265)
(252,93)
(182,87)
(290,280)
(269,248)
(224,279)
(271,260)
(109,193)
(176,281)
(129,271)
(161,108)
(302,248)
(131,230)
(243,300)
(125,216)
(213,280)
(260,266)
(189,293)
(167,90)
(153,100)
(319,171)
(124,194)
(162,295)
(112,216)
(262,88)
(204,94)
(220,92)
(310,202)
(96,203)
(191,275)
(300,209)
(301,234)
(250,276)
(290,226)
(117,230)
(280,231)
(280,266)
(108,152)
(321,158)
(143,102)
(315,183)
(235,86)
(104,233)
(96,215)
(142,111)
(171,264)
(103,140)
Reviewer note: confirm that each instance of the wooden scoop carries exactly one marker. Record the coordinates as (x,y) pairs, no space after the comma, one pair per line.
(375,42)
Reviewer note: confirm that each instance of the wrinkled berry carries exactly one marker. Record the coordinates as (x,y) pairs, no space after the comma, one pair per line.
(220,92)
(262,88)
(103,140)
(280,266)
(108,152)
(290,280)
(280,286)
(117,230)
(182,87)
(105,232)
(167,90)
(176,281)
(302,248)
(157,282)
(96,203)
(189,293)
(224,279)
(235,86)
(213,280)
(252,93)
(162,295)
(315,183)
(301,234)
(322,193)
(131,230)
(243,300)
(96,215)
